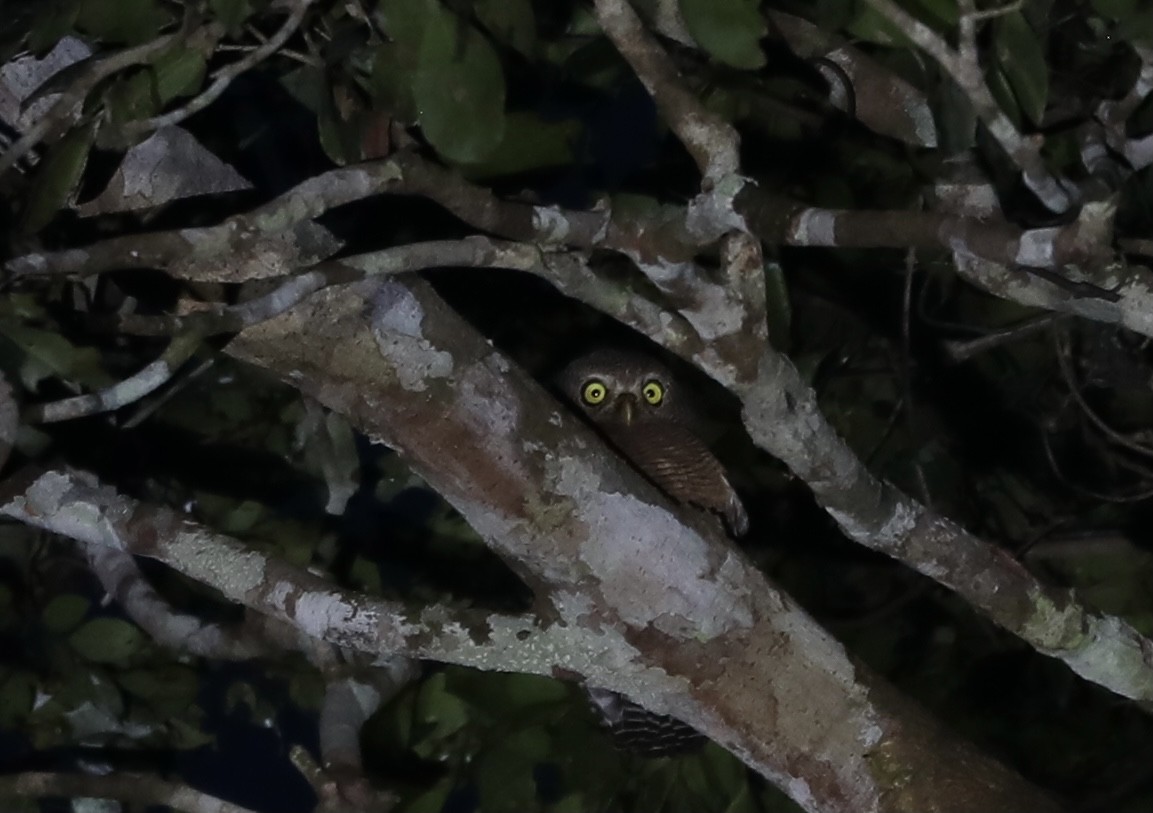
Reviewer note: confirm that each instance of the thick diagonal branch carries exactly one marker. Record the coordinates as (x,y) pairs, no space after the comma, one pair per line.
(685,624)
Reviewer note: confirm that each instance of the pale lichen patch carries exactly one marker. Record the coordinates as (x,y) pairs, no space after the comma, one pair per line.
(714,314)
(901,522)
(550,223)
(199,556)
(397,326)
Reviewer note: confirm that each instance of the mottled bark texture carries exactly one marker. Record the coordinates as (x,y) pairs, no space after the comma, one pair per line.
(682,621)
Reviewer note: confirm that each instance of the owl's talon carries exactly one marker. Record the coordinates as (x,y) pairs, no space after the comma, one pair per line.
(736,517)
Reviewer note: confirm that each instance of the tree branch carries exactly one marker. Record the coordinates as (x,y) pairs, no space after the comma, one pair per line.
(130,131)
(711,140)
(77,505)
(963,66)
(701,633)
(142,789)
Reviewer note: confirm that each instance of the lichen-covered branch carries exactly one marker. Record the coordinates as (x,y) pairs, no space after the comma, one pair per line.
(122,580)
(880,99)
(783,418)
(77,505)
(145,790)
(349,702)
(122,393)
(709,139)
(963,66)
(213,318)
(673,615)
(278,238)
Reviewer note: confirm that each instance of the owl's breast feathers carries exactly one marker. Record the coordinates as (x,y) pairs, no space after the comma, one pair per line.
(682,466)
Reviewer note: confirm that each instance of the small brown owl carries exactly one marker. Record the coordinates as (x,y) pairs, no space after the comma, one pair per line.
(642,411)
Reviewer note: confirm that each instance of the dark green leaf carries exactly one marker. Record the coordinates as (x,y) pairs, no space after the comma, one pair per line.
(1021,56)
(132,97)
(433,800)
(779,310)
(189,736)
(458,79)
(57,179)
(956,119)
(232,13)
(505,780)
(243,516)
(594,62)
(728,773)
(165,682)
(692,773)
(439,714)
(17,690)
(943,13)
(365,574)
(107,640)
(307,689)
(1137,28)
(178,73)
(833,14)
(52,25)
(573,803)
(1002,91)
(510,21)
(1116,9)
(309,86)
(64,612)
(404,20)
(871,26)
(529,144)
(123,21)
(730,30)
(390,82)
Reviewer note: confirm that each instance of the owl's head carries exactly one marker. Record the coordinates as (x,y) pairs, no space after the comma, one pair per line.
(622,388)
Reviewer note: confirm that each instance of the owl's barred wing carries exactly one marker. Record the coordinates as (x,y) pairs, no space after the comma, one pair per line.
(680,463)
(639,730)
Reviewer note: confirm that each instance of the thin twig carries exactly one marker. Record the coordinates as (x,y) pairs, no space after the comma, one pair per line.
(69,107)
(709,139)
(964,68)
(125,392)
(1082,490)
(1074,389)
(962,350)
(132,130)
(471,252)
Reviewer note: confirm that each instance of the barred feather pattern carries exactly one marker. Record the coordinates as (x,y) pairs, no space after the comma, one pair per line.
(640,731)
(680,464)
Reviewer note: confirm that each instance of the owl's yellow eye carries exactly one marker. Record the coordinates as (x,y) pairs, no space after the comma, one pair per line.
(653,392)
(593,392)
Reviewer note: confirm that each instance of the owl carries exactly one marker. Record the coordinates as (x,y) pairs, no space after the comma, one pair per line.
(644,413)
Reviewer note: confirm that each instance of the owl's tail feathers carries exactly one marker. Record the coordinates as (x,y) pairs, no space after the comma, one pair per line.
(640,731)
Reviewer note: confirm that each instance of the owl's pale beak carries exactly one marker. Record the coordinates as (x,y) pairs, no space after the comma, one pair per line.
(626,408)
